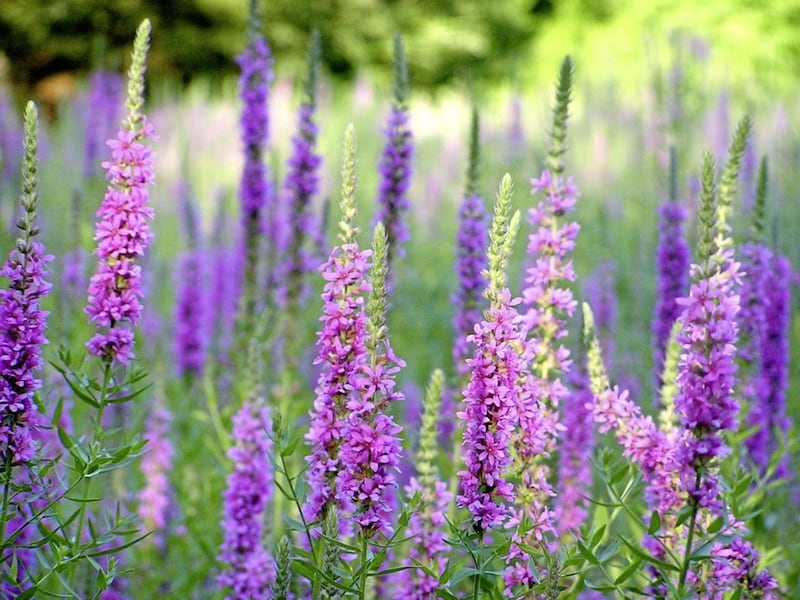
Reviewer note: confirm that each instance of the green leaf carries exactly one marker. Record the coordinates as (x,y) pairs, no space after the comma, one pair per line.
(587,554)
(716,525)
(597,536)
(625,575)
(655,523)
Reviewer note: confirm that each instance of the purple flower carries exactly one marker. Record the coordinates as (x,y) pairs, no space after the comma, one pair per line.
(156,465)
(672,265)
(735,564)
(766,296)
(22,332)
(471,244)
(705,402)
(574,466)
(426,530)
(342,353)
(122,236)
(490,414)
(250,569)
(102,110)
(254,188)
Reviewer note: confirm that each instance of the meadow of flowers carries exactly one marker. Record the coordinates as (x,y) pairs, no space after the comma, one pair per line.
(332,342)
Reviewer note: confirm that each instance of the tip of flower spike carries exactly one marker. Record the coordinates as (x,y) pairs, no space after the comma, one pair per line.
(474,154)
(727,182)
(135,98)
(760,208)
(30,178)
(558,135)
(501,235)
(588,322)
(312,74)
(400,69)
(348,201)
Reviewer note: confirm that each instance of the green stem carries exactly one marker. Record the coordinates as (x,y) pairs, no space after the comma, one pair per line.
(6,491)
(689,539)
(362,586)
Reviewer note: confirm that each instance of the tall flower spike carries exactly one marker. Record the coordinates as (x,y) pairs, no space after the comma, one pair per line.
(672,267)
(302,182)
(371,449)
(395,162)
(255,63)
(341,350)
(548,303)
(493,393)
(705,402)
(123,233)
(426,525)
(22,322)
(472,240)
(250,570)
(154,498)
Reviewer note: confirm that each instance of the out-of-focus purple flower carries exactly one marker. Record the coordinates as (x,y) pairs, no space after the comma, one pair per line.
(471,243)
(122,237)
(600,292)
(395,162)
(102,109)
(255,191)
(768,409)
(154,497)
(490,414)
(426,529)
(10,139)
(574,465)
(672,271)
(342,353)
(250,569)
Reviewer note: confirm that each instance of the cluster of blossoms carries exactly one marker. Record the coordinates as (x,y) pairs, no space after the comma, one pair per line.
(672,266)
(251,569)
(301,185)
(122,237)
(154,498)
(471,243)
(395,162)
(341,350)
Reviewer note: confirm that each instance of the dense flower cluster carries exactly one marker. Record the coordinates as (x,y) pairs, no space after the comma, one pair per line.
(122,237)
(491,413)
(395,178)
(251,569)
(735,564)
(154,498)
(342,353)
(672,269)
(302,182)
(471,244)
(103,102)
(370,451)
(22,332)
(705,401)
(190,321)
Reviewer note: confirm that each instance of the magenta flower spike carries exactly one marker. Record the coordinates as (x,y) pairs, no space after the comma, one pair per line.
(123,233)
(250,570)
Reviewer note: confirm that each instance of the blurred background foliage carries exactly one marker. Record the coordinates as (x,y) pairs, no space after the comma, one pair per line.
(473,43)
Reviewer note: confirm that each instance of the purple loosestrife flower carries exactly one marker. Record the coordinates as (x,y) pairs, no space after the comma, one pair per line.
(425,527)
(301,185)
(395,162)
(122,232)
(574,466)
(341,350)
(672,266)
(254,188)
(102,108)
(735,564)
(371,450)
(769,410)
(492,395)
(156,465)
(11,137)
(704,401)
(22,322)
(250,569)
(471,243)
(191,330)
